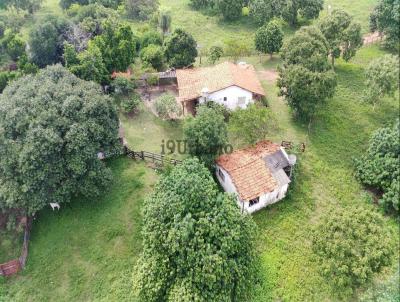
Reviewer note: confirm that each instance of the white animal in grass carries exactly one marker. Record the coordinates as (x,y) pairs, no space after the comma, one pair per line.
(55,205)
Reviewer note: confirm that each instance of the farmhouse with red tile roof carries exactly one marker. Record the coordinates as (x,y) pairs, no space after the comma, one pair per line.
(229,84)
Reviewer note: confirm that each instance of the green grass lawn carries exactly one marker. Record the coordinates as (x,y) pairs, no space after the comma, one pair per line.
(146,132)
(86,251)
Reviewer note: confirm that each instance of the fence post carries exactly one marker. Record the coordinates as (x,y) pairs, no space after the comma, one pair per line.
(142,154)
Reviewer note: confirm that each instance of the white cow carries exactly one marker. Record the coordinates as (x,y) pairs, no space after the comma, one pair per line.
(55,205)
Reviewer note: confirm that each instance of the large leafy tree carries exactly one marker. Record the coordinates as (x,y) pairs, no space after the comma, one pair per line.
(352,244)
(29,5)
(13,45)
(196,244)
(252,124)
(117,45)
(87,65)
(215,53)
(180,49)
(308,9)
(343,35)
(379,166)
(269,38)
(52,125)
(385,18)
(206,134)
(382,78)
(306,78)
(141,9)
(263,11)
(46,41)
(230,9)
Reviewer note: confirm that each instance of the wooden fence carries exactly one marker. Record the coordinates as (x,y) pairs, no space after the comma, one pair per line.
(14,266)
(155,158)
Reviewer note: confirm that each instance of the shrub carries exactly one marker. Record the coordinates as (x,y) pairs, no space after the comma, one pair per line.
(129,105)
(379,166)
(153,55)
(167,107)
(151,37)
(122,86)
(351,244)
(2,29)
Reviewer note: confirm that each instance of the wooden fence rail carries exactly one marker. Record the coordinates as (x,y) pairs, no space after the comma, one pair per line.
(14,266)
(155,158)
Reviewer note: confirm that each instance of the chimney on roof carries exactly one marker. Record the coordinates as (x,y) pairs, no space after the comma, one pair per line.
(204,93)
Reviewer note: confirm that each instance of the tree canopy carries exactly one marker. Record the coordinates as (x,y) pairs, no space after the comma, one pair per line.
(153,55)
(269,38)
(52,125)
(342,34)
(382,78)
(196,244)
(46,41)
(141,9)
(252,124)
(308,9)
(180,49)
(117,45)
(206,134)
(385,19)
(306,78)
(352,244)
(379,166)
(230,9)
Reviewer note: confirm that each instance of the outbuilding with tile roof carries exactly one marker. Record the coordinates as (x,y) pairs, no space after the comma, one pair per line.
(257,175)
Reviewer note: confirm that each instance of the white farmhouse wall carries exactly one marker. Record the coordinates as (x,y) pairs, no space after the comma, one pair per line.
(265,199)
(232,95)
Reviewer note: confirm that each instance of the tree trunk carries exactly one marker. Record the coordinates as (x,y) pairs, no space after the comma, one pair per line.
(270,56)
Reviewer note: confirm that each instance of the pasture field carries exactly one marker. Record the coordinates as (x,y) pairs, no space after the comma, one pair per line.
(86,251)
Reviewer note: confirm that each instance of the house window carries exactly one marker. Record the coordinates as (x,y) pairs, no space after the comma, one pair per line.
(241,100)
(221,175)
(254,201)
(225,98)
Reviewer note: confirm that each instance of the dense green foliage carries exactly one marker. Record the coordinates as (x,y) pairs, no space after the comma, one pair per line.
(342,34)
(385,18)
(122,86)
(180,49)
(151,37)
(141,9)
(215,53)
(167,107)
(52,126)
(306,79)
(308,9)
(206,134)
(269,38)
(29,5)
(164,20)
(13,45)
(352,244)
(379,166)
(252,124)
(46,41)
(230,9)
(130,104)
(382,78)
(196,244)
(117,45)
(153,56)
(263,11)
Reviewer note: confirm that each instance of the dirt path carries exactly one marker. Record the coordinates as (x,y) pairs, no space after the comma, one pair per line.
(372,38)
(269,75)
